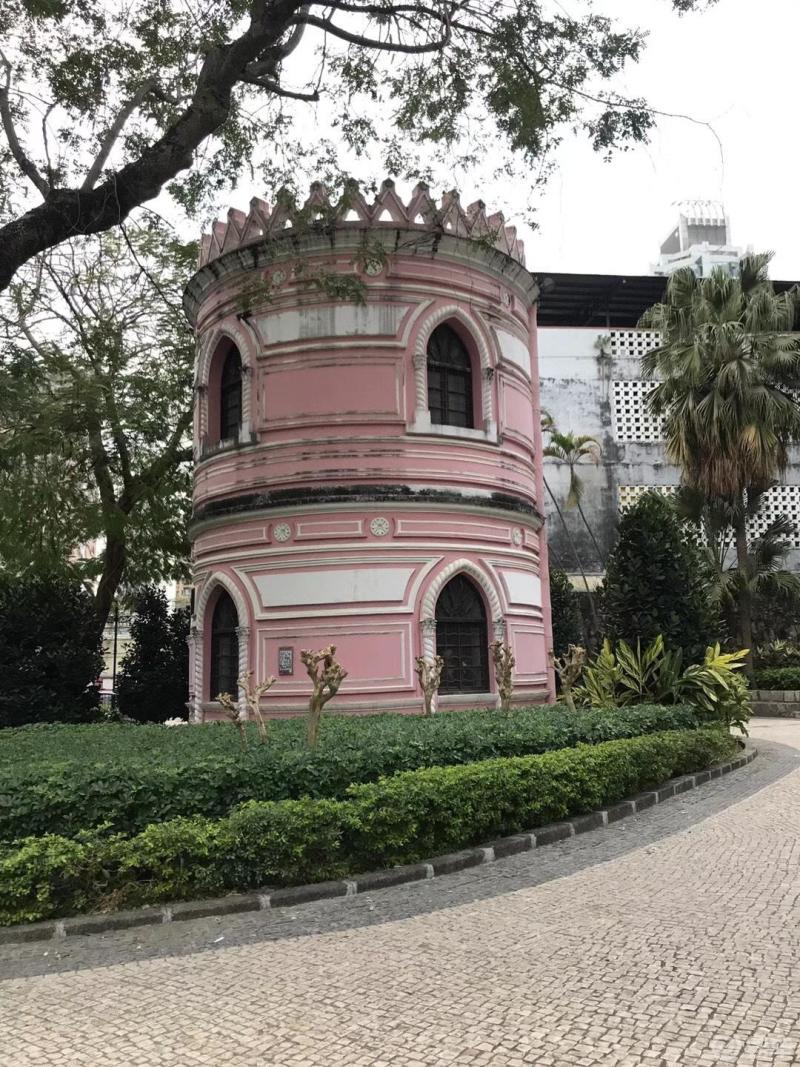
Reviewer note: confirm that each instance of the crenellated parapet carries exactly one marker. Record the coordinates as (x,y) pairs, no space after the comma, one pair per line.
(352,210)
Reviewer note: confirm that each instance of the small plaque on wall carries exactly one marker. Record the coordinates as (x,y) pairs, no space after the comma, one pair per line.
(285,661)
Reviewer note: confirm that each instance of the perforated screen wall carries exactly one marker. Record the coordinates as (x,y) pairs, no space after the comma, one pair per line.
(633,343)
(632,420)
(780,500)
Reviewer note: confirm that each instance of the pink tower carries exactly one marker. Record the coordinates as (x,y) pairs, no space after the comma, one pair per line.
(368,466)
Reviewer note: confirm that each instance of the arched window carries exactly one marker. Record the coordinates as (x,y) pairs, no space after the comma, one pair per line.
(449,379)
(461,638)
(224,648)
(230,396)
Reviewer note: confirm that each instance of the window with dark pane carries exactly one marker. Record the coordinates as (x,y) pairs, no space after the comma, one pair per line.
(449,379)
(224,648)
(461,638)
(230,396)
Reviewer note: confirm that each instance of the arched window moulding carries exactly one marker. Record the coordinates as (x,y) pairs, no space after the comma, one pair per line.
(208,350)
(201,631)
(427,619)
(422,416)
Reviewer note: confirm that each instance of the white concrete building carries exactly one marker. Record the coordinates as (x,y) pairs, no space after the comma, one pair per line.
(700,241)
(591,383)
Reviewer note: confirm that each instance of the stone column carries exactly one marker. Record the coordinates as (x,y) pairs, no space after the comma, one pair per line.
(422,415)
(201,417)
(195,703)
(428,627)
(245,429)
(489,421)
(243,637)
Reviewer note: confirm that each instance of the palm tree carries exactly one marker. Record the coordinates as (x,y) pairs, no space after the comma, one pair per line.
(572,449)
(764,580)
(548,427)
(727,366)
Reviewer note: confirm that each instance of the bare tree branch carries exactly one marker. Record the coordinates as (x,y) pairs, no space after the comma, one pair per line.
(277,90)
(25,164)
(114,130)
(296,36)
(371,42)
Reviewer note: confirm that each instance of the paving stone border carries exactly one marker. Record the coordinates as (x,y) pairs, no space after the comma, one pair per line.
(372,881)
(775,703)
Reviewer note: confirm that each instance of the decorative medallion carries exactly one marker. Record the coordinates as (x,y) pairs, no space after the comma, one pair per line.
(379,526)
(516,537)
(278,277)
(373,267)
(282,531)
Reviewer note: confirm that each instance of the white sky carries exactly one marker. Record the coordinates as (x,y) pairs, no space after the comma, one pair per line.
(734,66)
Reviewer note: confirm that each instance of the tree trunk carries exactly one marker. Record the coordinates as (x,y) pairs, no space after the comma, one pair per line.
(114,559)
(315,706)
(744,605)
(590,531)
(66,213)
(593,612)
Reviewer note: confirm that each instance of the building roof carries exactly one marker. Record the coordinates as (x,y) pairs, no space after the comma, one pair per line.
(603,300)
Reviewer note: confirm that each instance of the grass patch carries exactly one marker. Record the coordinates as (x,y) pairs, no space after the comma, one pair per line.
(66,779)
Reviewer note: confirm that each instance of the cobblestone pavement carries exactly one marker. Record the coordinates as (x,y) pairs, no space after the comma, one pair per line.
(671,938)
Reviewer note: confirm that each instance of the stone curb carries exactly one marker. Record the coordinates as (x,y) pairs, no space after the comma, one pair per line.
(237,903)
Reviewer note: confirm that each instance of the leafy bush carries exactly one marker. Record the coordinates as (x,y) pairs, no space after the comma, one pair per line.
(395,820)
(153,682)
(626,676)
(657,583)
(776,678)
(411,816)
(778,654)
(51,651)
(565,610)
(63,780)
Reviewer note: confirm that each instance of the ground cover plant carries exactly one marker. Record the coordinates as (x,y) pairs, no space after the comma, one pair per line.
(67,779)
(776,678)
(404,818)
(716,688)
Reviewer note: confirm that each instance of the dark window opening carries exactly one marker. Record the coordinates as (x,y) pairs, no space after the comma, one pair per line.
(224,648)
(461,638)
(230,397)
(449,379)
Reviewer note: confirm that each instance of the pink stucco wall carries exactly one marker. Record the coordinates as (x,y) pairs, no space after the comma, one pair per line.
(340,512)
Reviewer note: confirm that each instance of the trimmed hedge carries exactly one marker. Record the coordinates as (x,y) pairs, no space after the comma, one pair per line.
(126,777)
(776,678)
(402,819)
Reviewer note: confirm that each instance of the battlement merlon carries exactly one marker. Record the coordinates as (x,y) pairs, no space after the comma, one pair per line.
(387,210)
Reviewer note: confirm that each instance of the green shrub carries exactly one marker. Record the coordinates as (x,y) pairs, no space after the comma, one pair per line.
(50,650)
(566,614)
(411,816)
(408,817)
(63,780)
(657,583)
(776,678)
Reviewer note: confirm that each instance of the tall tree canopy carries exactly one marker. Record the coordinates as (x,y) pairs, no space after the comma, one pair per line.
(95,412)
(103,104)
(729,370)
(657,582)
